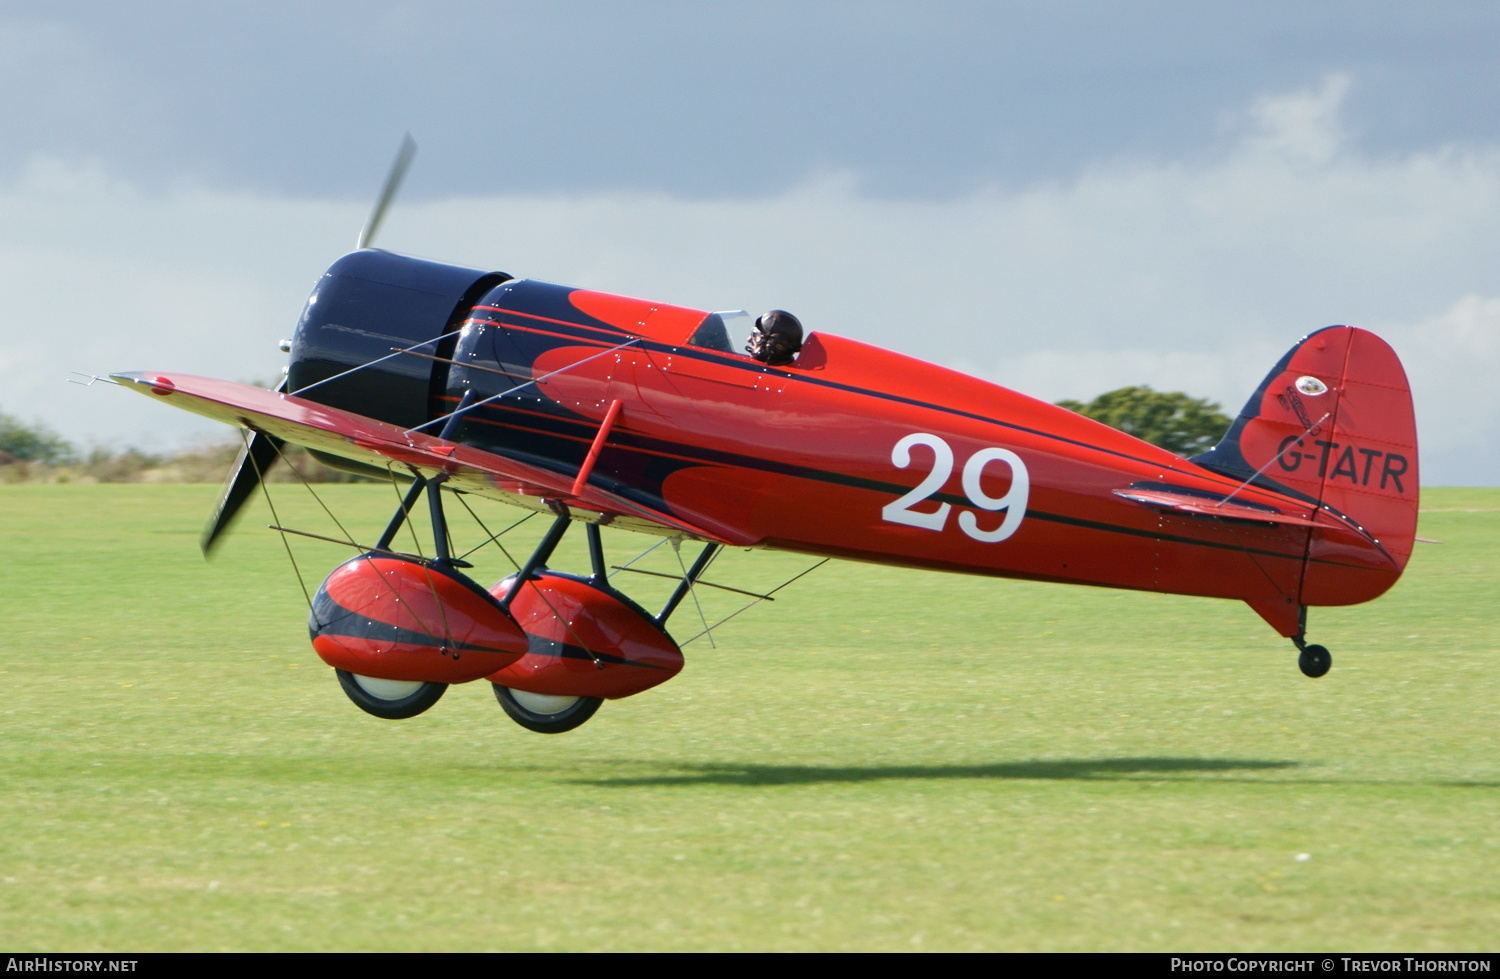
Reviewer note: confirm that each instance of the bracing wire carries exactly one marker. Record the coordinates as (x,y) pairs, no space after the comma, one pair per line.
(627,564)
(332,540)
(693,591)
(261,479)
(495,539)
(699,579)
(303,479)
(757,601)
(535,380)
(492,538)
(379,360)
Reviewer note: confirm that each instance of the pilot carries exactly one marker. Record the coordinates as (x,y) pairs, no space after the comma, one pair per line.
(776,338)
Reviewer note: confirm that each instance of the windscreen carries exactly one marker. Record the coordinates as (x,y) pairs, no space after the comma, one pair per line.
(724,331)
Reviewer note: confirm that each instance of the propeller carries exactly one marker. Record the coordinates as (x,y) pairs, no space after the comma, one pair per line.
(404,156)
(261,451)
(256,456)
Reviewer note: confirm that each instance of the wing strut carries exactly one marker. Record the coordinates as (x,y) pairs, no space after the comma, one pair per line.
(596,553)
(587,469)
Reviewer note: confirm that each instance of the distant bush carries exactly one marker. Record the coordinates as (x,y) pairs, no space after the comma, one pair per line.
(36,454)
(32,443)
(1170,419)
(311,469)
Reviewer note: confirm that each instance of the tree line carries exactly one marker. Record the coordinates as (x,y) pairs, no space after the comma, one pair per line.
(1175,421)
(34,453)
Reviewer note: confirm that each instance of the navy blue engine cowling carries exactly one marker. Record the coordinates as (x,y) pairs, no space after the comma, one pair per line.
(366,305)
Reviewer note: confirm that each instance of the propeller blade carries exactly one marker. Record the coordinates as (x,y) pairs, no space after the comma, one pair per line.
(393,180)
(256,456)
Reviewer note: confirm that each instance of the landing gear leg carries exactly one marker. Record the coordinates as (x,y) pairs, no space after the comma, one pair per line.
(539,558)
(596,555)
(440,542)
(1314,660)
(418,484)
(686,585)
(399,699)
(549,713)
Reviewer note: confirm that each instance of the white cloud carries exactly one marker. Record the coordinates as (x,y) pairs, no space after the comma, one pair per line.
(1187,275)
(1301,126)
(97,276)
(1452,359)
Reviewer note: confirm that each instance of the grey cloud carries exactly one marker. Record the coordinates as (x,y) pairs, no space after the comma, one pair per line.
(927,100)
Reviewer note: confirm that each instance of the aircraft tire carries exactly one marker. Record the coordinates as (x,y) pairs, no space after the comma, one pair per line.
(1315,660)
(545,714)
(393,700)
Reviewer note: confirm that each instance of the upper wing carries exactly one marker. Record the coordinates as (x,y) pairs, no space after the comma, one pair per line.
(363,439)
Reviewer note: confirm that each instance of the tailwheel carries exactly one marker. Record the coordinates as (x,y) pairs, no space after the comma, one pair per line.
(545,713)
(1314,660)
(393,700)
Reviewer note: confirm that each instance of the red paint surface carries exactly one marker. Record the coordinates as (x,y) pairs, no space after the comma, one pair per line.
(565,610)
(1078,528)
(659,321)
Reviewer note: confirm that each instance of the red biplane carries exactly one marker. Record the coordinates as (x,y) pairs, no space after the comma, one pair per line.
(607,410)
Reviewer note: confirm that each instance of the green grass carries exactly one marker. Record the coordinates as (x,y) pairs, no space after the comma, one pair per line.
(882,759)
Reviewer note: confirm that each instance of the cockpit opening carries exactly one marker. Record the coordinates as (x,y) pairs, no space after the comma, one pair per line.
(774,338)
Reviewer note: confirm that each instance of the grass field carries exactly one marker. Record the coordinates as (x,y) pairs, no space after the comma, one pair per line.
(880,760)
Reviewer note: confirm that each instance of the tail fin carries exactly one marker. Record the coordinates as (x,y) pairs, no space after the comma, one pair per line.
(1333,424)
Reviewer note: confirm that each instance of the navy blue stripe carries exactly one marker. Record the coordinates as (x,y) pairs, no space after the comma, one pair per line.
(329,618)
(561,650)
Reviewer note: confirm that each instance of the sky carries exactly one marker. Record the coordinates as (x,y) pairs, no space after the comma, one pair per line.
(1063,198)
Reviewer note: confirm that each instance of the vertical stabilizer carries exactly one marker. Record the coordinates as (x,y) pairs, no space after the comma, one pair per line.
(1333,424)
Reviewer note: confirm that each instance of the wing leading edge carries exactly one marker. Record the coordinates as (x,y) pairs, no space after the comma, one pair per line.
(363,439)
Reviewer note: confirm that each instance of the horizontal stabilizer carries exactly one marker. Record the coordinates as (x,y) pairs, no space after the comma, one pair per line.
(1196,505)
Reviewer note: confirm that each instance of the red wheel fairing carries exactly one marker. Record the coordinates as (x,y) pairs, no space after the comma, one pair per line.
(398,619)
(585,641)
